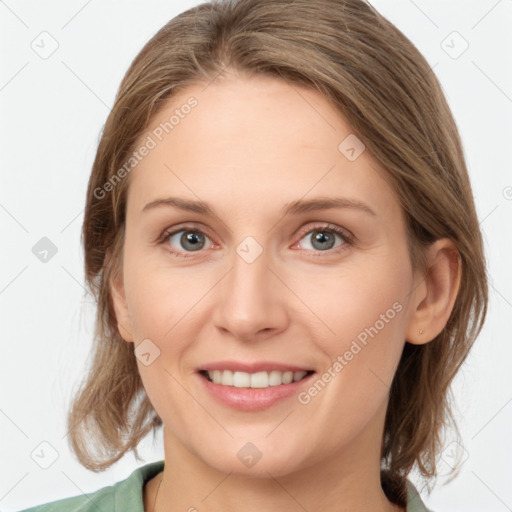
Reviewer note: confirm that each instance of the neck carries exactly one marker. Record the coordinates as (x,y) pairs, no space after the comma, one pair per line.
(348,481)
(168,505)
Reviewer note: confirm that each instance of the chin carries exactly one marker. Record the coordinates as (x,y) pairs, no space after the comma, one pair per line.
(256,460)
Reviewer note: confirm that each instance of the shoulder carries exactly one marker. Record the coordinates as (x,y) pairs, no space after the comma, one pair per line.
(128,492)
(414,502)
(102,499)
(401,491)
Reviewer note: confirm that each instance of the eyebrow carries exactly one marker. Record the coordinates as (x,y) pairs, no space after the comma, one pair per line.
(294,207)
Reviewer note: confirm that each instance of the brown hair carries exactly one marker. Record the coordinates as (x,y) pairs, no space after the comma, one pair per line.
(375,77)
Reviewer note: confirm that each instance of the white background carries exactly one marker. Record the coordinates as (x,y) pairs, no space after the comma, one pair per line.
(52,111)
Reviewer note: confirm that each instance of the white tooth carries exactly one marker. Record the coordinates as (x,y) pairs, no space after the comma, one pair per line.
(298,375)
(254,380)
(259,380)
(241,380)
(227,378)
(287,377)
(275,378)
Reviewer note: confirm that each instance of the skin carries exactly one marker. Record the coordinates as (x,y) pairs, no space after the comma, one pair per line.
(248,148)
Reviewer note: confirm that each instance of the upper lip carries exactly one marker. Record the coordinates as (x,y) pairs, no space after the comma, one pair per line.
(257,366)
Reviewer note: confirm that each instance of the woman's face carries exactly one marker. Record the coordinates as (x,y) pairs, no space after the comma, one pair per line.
(260,284)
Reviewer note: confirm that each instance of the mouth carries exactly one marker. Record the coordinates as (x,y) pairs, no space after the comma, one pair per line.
(252,386)
(256,380)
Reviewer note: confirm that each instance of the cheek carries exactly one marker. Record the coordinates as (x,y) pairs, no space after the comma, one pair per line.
(361,297)
(366,323)
(160,297)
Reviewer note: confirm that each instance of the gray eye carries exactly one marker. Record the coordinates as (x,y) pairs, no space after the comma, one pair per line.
(189,240)
(321,240)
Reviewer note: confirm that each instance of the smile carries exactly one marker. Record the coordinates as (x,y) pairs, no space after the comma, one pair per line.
(262,379)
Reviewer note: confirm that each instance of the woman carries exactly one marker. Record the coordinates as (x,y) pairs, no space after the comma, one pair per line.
(281,236)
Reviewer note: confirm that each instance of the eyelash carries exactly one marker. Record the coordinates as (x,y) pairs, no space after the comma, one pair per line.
(347,238)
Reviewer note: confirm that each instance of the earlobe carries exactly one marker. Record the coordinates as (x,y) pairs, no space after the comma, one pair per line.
(121,308)
(435,296)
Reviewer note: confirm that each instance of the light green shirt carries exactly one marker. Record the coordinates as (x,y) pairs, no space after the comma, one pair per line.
(127,496)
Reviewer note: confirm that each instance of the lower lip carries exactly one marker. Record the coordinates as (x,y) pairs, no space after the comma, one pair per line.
(253,399)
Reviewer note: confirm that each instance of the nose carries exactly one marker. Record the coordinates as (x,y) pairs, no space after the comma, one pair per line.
(251,300)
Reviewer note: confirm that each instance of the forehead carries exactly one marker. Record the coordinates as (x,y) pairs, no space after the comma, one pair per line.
(253,141)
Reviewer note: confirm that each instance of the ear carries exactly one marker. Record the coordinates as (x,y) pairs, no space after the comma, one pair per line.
(120,305)
(435,294)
